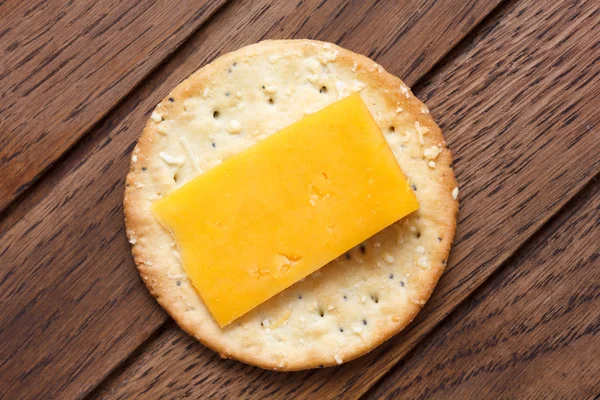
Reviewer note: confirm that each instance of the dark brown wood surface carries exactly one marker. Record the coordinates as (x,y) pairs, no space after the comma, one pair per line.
(65,64)
(517,99)
(506,143)
(531,331)
(75,306)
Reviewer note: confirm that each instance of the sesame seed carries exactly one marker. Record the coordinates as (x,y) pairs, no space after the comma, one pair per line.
(234,126)
(156,117)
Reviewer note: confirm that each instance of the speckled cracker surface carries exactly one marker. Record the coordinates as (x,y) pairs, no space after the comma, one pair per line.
(355,302)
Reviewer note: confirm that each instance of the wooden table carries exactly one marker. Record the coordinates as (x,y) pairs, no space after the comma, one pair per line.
(515,85)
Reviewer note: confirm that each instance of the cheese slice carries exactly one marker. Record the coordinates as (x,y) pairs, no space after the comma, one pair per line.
(278,211)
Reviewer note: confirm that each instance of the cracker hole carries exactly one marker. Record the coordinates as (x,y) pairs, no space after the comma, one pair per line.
(321,312)
(418,235)
(391,276)
(341,329)
(176,177)
(363,249)
(171,100)
(402,283)
(364,322)
(414,187)
(345,297)
(323,89)
(392,129)
(375,298)
(439,239)
(348,256)
(216,114)
(271,101)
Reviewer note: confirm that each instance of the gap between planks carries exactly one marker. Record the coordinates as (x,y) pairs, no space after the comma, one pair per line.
(28,189)
(78,190)
(575,188)
(38,188)
(447,57)
(570,208)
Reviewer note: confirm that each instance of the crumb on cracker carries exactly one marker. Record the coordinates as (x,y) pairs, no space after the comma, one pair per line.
(455,193)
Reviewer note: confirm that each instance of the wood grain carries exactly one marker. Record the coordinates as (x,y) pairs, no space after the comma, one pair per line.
(532,331)
(66,63)
(525,142)
(73,304)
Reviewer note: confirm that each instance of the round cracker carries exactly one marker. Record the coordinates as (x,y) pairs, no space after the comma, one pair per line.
(352,304)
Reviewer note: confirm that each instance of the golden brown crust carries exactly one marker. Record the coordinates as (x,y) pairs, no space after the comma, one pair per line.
(414,128)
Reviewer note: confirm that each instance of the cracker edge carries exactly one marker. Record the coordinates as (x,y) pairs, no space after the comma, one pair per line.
(371,73)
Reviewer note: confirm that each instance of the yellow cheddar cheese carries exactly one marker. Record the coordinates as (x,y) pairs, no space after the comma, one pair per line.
(278,211)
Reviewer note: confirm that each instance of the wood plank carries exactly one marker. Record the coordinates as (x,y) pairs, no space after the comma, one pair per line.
(66,63)
(74,306)
(525,142)
(532,331)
